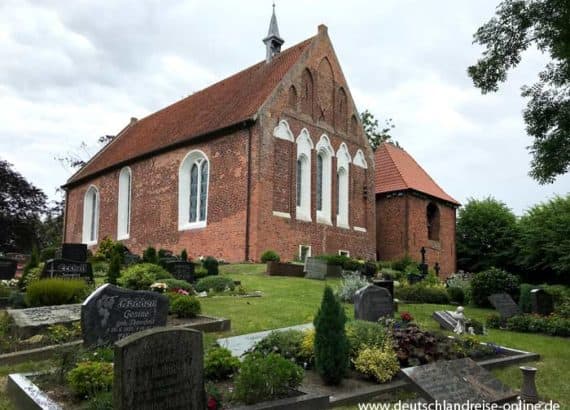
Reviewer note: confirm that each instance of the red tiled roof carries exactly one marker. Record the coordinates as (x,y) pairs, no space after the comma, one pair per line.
(396,170)
(223,104)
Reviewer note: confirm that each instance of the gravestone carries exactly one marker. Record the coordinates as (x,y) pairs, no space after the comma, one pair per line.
(181,270)
(387,284)
(131,258)
(505,304)
(458,381)
(8,268)
(159,369)
(74,252)
(542,302)
(373,302)
(112,313)
(67,269)
(29,322)
(317,268)
(445,319)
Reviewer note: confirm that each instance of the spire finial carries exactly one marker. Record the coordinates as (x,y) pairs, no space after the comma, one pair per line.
(273,41)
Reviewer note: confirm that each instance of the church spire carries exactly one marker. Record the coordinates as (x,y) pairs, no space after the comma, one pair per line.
(273,41)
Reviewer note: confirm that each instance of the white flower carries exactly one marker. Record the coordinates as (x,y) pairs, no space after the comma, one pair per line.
(159,285)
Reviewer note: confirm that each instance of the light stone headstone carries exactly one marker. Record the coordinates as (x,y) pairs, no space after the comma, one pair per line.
(159,368)
(505,304)
(373,302)
(29,322)
(111,313)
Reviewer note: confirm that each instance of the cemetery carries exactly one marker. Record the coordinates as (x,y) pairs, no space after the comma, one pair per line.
(134,345)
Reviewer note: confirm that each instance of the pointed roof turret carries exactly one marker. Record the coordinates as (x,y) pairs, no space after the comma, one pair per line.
(273,41)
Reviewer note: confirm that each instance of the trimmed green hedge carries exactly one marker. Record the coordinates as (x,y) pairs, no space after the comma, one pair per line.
(421,293)
(55,291)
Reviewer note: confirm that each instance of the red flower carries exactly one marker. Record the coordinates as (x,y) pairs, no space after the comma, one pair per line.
(406,316)
(212,403)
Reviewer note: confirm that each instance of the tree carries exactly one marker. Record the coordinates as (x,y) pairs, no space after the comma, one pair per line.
(331,344)
(517,26)
(114,268)
(50,230)
(544,245)
(375,135)
(486,235)
(78,159)
(21,208)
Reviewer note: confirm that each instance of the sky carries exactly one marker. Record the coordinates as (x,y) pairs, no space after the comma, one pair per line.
(72,71)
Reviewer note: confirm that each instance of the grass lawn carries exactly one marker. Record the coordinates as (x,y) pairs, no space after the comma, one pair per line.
(292,301)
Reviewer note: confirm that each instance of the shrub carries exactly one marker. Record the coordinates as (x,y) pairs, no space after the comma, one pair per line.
(178,284)
(114,269)
(59,334)
(270,255)
(553,325)
(100,269)
(185,306)
(524,298)
(200,272)
(101,401)
(350,283)
(219,364)
(377,363)
(494,321)
(563,310)
(415,347)
(402,263)
(31,276)
(54,291)
(391,274)
(33,263)
(149,255)
(17,300)
(215,283)
(491,281)
(307,352)
(141,276)
(107,248)
(266,378)
(163,253)
(361,333)
(286,343)
(184,255)
(48,253)
(90,378)
(331,344)
(211,264)
(456,295)
(421,293)
(355,265)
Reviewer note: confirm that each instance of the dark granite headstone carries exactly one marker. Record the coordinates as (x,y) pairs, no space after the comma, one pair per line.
(112,313)
(67,269)
(542,302)
(181,270)
(445,319)
(159,368)
(8,268)
(166,260)
(131,258)
(74,252)
(369,269)
(458,381)
(505,304)
(387,284)
(373,302)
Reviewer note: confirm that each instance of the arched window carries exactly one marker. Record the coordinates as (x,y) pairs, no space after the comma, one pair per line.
(432,215)
(324,182)
(124,204)
(303,176)
(292,97)
(91,216)
(343,161)
(193,180)
(307,92)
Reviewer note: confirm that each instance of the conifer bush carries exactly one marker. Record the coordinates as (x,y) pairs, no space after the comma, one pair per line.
(331,344)
(114,268)
(149,255)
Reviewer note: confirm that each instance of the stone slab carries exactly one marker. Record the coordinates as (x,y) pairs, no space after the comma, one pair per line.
(238,345)
(505,305)
(29,322)
(458,381)
(159,368)
(111,313)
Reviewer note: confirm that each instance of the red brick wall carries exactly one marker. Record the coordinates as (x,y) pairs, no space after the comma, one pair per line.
(397,237)
(154,214)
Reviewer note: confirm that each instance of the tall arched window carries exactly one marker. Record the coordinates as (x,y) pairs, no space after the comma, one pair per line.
(324,180)
(124,204)
(343,161)
(432,216)
(193,180)
(91,216)
(303,176)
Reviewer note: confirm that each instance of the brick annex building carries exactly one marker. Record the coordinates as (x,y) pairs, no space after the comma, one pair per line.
(412,211)
(273,157)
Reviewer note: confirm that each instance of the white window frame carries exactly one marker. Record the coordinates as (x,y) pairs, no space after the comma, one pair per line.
(324,148)
(344,252)
(304,151)
(360,160)
(309,251)
(193,157)
(124,204)
(90,233)
(343,161)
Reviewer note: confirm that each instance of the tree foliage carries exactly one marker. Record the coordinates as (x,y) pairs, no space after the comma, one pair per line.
(21,208)
(518,25)
(544,245)
(486,235)
(374,133)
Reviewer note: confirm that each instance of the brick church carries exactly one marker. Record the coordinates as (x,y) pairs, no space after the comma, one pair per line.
(273,157)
